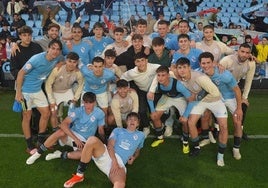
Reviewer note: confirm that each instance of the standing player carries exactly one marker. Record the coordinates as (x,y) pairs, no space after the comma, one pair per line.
(59,87)
(231,95)
(241,65)
(29,81)
(209,96)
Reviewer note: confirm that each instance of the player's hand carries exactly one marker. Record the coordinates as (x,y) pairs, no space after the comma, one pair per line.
(150,96)
(183,119)
(238,115)
(14,48)
(19,97)
(245,101)
(79,144)
(53,107)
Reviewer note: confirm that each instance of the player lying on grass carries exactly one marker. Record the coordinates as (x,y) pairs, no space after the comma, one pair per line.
(123,147)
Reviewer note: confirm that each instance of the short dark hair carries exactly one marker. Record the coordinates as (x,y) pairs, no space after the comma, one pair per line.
(122,83)
(76,26)
(208,27)
(141,22)
(53,25)
(98,59)
(86,22)
(72,56)
(55,41)
(133,114)
(25,29)
(97,25)
(158,41)
(162,68)
(183,61)
(182,36)
(118,30)
(206,55)
(163,22)
(137,36)
(184,21)
(244,45)
(89,97)
(110,53)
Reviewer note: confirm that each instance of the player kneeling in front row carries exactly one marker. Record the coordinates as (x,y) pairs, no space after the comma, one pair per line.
(123,147)
(85,121)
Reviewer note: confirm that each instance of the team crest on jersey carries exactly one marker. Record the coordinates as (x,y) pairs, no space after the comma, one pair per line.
(135,137)
(72,114)
(193,59)
(92,118)
(28,66)
(83,49)
(103,81)
(217,82)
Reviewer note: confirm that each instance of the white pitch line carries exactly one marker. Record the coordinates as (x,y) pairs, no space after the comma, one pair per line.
(150,136)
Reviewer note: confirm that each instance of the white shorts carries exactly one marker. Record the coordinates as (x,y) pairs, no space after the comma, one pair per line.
(231,104)
(70,141)
(63,97)
(34,100)
(166,102)
(102,99)
(217,108)
(104,162)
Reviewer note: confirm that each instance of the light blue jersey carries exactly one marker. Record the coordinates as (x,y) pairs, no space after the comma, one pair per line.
(95,84)
(192,56)
(37,69)
(225,82)
(171,41)
(82,49)
(86,124)
(97,47)
(126,142)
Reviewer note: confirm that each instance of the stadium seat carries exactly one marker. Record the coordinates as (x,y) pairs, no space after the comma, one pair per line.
(38,23)
(94,18)
(210,4)
(29,23)
(140,8)
(230,9)
(115,18)
(235,19)
(85,17)
(217,4)
(241,4)
(225,19)
(115,7)
(225,4)
(233,4)
(36,32)
(25,16)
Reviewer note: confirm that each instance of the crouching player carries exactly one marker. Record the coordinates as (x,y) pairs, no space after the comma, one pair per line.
(231,95)
(124,146)
(174,93)
(76,128)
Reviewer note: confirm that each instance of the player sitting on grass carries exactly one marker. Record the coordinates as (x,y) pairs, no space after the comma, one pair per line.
(75,129)
(123,147)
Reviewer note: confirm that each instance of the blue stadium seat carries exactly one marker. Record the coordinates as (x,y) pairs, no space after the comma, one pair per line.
(235,19)
(233,4)
(36,32)
(139,8)
(241,4)
(25,16)
(230,9)
(115,18)
(38,23)
(210,4)
(217,4)
(94,18)
(225,20)
(29,23)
